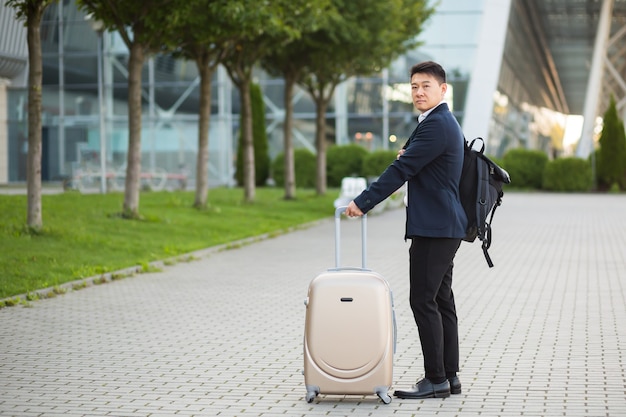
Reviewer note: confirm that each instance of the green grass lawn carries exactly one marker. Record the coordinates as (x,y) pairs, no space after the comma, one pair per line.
(84,236)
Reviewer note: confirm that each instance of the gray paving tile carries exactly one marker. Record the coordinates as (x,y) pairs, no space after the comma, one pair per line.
(542,333)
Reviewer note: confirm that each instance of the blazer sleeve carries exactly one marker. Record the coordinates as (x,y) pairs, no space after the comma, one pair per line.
(419,152)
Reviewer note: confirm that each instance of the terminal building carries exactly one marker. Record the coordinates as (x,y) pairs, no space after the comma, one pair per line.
(535,74)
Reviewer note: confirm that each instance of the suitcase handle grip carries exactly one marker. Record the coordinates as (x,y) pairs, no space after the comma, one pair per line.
(338,212)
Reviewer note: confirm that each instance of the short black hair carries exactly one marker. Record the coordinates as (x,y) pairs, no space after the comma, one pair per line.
(432,68)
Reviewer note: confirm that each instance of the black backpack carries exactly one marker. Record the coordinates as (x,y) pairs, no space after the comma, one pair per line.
(481,192)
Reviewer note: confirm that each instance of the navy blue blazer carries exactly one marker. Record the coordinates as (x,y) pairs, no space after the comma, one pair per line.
(431,163)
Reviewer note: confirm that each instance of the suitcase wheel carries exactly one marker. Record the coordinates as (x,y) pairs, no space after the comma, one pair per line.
(311,393)
(385,398)
(383,394)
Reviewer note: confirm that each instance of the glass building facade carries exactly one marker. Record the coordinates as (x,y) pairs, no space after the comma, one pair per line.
(365,110)
(498,90)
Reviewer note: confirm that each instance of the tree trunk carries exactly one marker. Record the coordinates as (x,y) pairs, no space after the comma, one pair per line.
(320,145)
(290,171)
(33,171)
(133,163)
(321,92)
(248,141)
(202,162)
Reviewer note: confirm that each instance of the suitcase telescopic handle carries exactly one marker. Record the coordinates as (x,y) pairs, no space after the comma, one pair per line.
(338,212)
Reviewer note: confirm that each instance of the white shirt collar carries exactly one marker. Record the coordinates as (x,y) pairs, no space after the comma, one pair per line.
(422,116)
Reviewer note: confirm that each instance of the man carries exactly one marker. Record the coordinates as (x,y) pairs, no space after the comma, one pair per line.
(431,162)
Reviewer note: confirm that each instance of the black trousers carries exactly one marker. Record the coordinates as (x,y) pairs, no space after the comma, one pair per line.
(432,302)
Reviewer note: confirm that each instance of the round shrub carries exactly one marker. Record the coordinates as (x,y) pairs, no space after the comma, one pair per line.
(374,163)
(567,174)
(304,165)
(343,161)
(525,167)
(497,161)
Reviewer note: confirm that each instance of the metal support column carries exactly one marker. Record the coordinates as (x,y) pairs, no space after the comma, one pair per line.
(616,66)
(101,114)
(225,126)
(61,126)
(383,92)
(594,85)
(152,113)
(341,114)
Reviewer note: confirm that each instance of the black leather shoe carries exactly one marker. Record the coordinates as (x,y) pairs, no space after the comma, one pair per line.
(425,389)
(455,385)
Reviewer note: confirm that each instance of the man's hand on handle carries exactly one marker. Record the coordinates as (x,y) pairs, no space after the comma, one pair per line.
(353,210)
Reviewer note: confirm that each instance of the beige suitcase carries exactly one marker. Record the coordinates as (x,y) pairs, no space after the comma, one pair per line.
(350,330)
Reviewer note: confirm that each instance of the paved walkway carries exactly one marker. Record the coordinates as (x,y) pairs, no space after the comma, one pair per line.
(543,333)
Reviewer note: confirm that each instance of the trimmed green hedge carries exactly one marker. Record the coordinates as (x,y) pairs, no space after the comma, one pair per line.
(567,174)
(343,161)
(525,167)
(304,161)
(529,169)
(376,162)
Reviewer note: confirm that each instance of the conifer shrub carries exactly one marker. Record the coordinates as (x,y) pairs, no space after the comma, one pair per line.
(259,137)
(611,157)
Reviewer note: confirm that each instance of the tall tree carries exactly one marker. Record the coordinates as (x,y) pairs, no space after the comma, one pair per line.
(362,39)
(200,37)
(290,62)
(260,28)
(145,27)
(31,11)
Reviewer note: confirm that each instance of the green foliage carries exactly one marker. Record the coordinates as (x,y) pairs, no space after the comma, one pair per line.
(259,30)
(150,26)
(344,161)
(77,242)
(304,161)
(525,167)
(195,39)
(259,136)
(27,9)
(567,174)
(611,157)
(614,188)
(374,163)
(497,160)
(364,37)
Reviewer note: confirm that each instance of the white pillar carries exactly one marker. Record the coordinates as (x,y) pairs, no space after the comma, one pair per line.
(594,85)
(486,72)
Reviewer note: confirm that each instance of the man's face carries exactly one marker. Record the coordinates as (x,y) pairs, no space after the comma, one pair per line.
(426,91)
